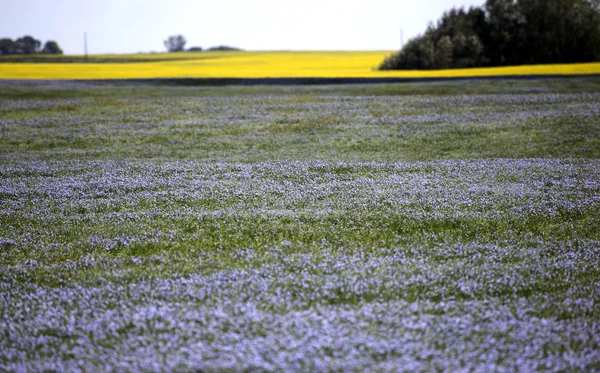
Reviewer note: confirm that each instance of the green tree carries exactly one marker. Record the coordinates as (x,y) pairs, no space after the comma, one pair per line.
(7,46)
(28,45)
(503,19)
(468,51)
(175,43)
(506,32)
(418,54)
(559,31)
(444,52)
(51,47)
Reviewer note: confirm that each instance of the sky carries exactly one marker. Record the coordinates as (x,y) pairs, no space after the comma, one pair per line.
(132,26)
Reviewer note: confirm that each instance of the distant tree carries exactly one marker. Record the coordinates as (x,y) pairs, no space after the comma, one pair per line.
(444,52)
(223,48)
(559,31)
(421,53)
(194,49)
(506,32)
(467,51)
(175,43)
(454,42)
(7,46)
(51,47)
(393,62)
(28,45)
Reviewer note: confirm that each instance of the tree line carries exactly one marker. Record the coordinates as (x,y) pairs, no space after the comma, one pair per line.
(176,43)
(506,32)
(28,45)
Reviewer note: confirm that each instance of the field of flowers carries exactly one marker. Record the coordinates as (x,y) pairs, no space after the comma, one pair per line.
(419,227)
(290,64)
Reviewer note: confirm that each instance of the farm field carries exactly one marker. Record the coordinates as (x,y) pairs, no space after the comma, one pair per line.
(254,65)
(447,226)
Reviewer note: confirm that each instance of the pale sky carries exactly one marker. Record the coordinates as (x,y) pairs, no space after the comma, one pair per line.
(131,26)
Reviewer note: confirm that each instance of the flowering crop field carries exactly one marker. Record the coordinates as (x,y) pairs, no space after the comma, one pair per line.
(292,64)
(417,227)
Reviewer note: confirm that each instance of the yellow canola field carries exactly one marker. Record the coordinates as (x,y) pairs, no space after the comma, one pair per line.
(262,65)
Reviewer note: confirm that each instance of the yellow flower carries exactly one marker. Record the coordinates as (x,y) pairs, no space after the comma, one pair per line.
(261,65)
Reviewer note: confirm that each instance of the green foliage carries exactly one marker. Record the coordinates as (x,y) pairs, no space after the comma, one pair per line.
(51,47)
(28,45)
(175,43)
(7,46)
(506,32)
(224,48)
(445,52)
(559,31)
